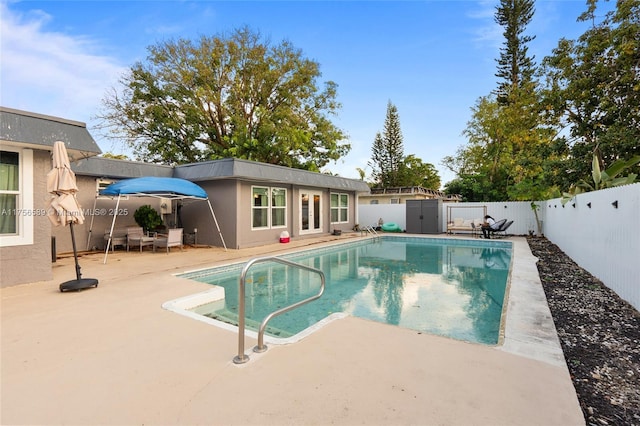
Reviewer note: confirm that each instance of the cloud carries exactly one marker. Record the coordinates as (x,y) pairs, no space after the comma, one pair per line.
(488,33)
(50,72)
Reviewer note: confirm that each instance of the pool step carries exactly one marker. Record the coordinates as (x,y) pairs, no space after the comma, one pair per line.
(230,317)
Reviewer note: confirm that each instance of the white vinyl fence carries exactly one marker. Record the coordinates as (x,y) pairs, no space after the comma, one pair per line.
(519,211)
(599,230)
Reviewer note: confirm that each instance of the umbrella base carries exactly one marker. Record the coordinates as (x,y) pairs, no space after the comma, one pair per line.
(80,284)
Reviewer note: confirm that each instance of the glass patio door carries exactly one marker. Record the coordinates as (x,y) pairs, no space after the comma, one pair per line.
(310,212)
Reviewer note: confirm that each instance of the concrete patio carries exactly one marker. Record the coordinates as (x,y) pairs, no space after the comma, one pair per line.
(113,356)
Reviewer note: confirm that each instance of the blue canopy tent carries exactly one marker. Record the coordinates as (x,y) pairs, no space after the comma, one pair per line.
(158,187)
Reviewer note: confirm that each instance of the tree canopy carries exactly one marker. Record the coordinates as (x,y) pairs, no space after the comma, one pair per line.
(535,137)
(592,85)
(218,97)
(413,172)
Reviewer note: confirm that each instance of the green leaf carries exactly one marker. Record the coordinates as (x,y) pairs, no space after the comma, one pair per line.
(625,180)
(621,165)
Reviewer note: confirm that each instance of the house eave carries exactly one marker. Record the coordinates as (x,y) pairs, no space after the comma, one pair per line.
(37,131)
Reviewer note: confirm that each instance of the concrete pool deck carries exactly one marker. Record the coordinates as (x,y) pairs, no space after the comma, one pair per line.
(112,355)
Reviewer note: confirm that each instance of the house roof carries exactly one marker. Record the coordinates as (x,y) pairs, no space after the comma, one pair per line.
(119,169)
(28,129)
(252,170)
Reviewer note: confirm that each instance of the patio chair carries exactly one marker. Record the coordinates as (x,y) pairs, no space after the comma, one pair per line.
(501,232)
(494,228)
(118,238)
(173,239)
(136,237)
(476,230)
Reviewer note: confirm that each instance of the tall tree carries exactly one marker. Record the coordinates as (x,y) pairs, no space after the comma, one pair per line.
(515,66)
(236,96)
(508,130)
(379,163)
(388,151)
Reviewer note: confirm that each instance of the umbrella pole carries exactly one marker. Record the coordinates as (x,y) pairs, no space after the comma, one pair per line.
(79,283)
(75,252)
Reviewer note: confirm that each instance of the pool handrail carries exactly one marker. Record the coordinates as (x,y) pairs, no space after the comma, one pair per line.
(241,358)
(371,230)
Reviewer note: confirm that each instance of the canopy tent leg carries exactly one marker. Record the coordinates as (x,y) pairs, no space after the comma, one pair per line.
(217,226)
(93,212)
(113,223)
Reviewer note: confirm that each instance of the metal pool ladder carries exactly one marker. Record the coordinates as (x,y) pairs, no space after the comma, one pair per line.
(371,230)
(241,358)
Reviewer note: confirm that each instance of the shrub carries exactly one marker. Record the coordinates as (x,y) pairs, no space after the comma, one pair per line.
(147,217)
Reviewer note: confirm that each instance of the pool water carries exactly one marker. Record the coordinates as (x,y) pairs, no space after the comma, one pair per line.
(453,288)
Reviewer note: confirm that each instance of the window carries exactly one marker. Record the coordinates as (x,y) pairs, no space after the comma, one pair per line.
(373,202)
(9,191)
(16,197)
(269,208)
(395,201)
(278,207)
(339,208)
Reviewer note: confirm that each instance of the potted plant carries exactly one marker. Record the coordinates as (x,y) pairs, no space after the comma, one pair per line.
(147,217)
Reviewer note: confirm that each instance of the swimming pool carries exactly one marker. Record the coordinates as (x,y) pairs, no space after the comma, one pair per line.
(453,288)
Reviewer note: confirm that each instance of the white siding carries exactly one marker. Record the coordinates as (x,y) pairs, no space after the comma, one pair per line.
(602,239)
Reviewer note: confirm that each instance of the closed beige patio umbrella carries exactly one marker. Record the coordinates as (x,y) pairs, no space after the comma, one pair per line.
(63,207)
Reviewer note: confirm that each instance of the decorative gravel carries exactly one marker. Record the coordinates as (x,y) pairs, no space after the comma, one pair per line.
(600,337)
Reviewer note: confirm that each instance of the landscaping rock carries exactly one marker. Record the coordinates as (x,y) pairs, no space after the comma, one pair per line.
(600,337)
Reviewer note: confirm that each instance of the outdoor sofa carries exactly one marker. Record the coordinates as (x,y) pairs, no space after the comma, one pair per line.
(464,225)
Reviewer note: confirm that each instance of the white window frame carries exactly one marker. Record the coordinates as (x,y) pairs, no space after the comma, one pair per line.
(339,208)
(270,208)
(24,207)
(274,208)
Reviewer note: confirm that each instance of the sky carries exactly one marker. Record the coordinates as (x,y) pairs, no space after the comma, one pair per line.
(432,59)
